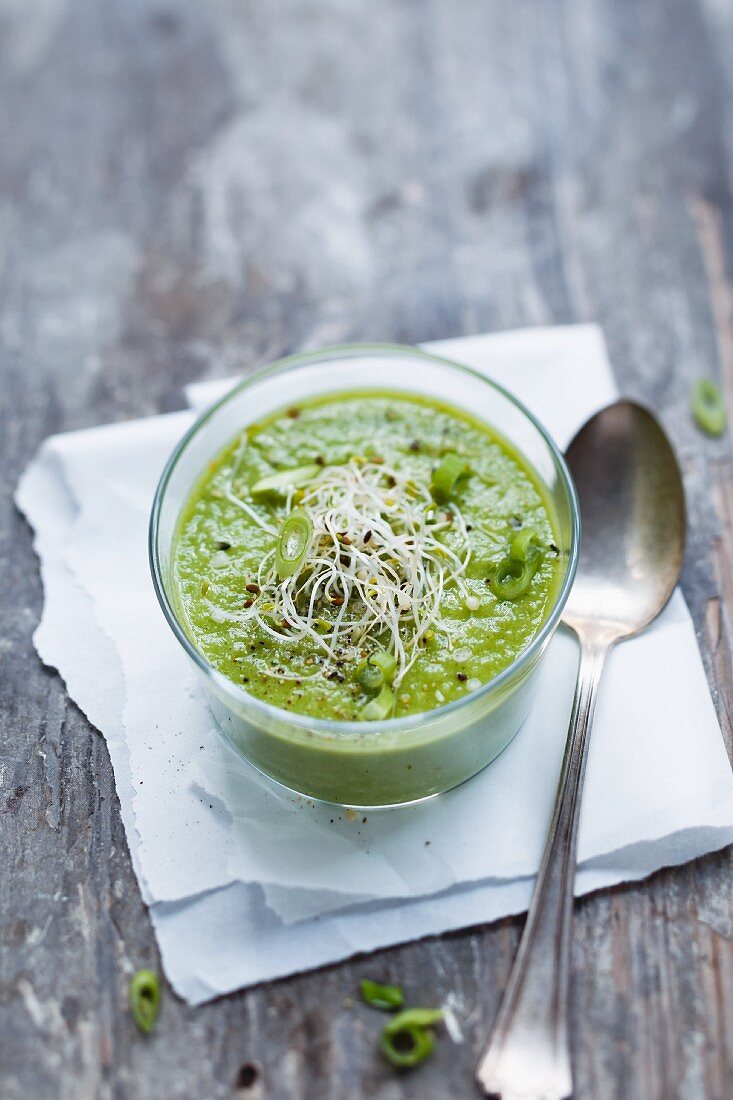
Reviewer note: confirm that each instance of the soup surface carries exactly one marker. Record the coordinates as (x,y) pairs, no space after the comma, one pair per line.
(365,556)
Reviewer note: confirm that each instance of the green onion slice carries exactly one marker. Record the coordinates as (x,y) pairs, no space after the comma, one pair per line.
(446,475)
(510,579)
(385,997)
(284,480)
(369,677)
(144,997)
(380,707)
(383,660)
(708,407)
(525,546)
(292,544)
(374,670)
(408,1038)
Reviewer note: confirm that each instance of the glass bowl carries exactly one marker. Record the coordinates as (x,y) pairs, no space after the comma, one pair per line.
(399,760)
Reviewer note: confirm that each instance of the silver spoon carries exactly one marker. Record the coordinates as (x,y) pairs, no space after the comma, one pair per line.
(633,520)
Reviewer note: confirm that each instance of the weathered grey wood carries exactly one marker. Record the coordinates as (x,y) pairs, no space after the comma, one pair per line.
(188,188)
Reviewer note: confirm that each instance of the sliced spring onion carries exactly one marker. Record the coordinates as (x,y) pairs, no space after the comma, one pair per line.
(144,997)
(384,661)
(369,677)
(708,406)
(284,480)
(292,543)
(446,475)
(408,1038)
(380,707)
(525,545)
(385,997)
(407,1047)
(510,579)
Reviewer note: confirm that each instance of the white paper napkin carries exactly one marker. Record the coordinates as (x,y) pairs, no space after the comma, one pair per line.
(246,883)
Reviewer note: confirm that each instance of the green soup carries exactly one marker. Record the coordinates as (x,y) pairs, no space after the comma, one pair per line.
(365,556)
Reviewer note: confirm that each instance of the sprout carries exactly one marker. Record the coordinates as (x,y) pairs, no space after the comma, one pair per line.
(373,571)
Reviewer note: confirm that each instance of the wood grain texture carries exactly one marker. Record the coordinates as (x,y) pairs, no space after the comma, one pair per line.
(189,188)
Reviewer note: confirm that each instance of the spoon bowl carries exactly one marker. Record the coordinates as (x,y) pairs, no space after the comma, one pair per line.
(632,511)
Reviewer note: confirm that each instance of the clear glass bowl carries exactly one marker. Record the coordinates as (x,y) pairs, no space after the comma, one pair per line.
(399,760)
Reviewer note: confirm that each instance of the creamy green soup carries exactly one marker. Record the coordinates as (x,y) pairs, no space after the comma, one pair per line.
(365,556)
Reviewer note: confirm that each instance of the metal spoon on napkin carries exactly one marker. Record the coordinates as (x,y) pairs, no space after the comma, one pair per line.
(633,528)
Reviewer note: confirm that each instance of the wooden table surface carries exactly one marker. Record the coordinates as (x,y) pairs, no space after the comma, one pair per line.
(189,188)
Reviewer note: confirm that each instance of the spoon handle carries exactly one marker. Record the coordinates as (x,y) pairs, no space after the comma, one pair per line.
(527,1056)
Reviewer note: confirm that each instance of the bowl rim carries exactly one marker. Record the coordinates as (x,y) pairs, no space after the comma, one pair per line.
(337,727)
